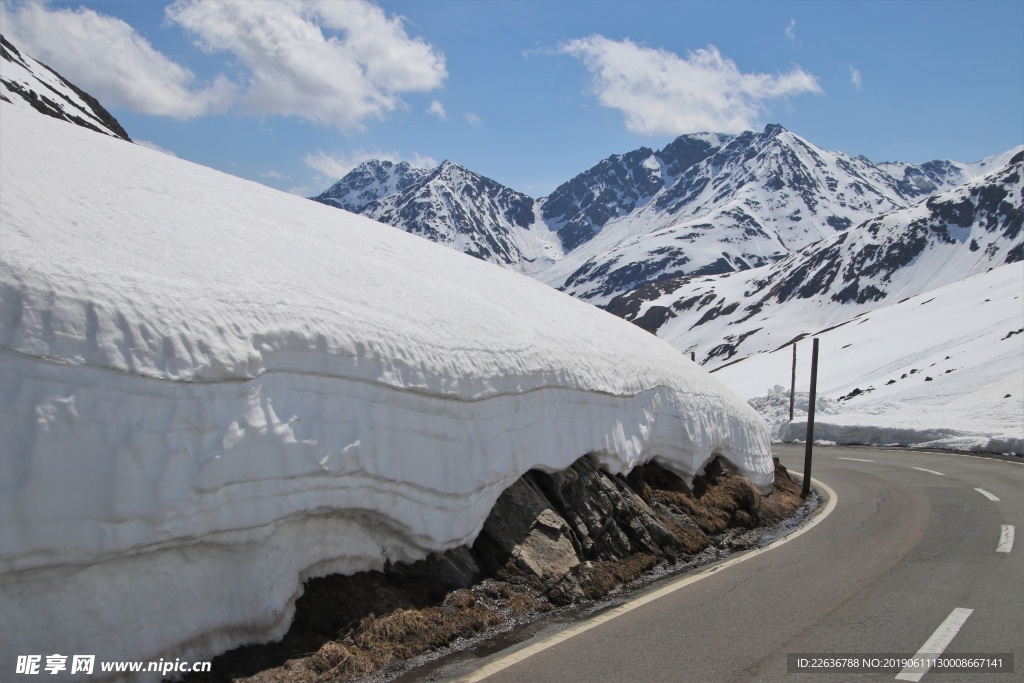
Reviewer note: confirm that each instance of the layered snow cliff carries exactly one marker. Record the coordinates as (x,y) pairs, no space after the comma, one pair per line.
(210,390)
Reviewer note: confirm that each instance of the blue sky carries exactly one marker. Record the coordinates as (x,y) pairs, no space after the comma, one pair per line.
(529,93)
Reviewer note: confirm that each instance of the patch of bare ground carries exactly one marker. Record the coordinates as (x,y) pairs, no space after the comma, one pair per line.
(552,540)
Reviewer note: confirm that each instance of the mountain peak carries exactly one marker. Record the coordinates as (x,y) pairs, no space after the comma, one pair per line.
(371,180)
(28,82)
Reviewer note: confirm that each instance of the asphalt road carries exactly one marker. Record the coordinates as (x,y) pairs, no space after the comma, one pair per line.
(906,554)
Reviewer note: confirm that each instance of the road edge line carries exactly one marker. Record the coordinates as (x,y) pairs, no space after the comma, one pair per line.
(676,584)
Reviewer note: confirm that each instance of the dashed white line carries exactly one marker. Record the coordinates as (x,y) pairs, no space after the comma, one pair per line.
(930,471)
(988,495)
(857,459)
(1005,539)
(936,645)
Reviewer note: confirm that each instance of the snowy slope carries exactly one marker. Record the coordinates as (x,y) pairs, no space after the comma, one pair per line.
(947,238)
(942,369)
(210,390)
(24,82)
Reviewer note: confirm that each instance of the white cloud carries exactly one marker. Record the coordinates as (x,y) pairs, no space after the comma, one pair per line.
(791,30)
(337,165)
(274,175)
(856,79)
(659,92)
(107,58)
(473,119)
(332,63)
(437,109)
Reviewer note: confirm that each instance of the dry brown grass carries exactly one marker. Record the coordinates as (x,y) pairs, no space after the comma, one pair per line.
(602,577)
(378,642)
(716,504)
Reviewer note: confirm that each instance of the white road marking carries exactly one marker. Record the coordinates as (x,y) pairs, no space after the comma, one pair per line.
(857,459)
(1005,539)
(988,495)
(560,637)
(937,644)
(931,471)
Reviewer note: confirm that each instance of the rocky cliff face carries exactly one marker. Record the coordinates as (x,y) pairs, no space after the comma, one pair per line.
(579,208)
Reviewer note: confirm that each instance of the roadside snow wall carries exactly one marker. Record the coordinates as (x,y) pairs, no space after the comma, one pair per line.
(211,391)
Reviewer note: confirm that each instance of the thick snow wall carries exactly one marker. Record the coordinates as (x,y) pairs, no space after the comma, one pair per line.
(211,391)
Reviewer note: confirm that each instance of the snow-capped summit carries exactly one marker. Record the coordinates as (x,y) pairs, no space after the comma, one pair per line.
(370,181)
(29,83)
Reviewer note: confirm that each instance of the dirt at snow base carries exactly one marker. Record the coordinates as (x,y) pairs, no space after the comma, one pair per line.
(623,531)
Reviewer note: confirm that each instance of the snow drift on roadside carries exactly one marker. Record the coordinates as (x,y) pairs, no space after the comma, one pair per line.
(210,390)
(944,369)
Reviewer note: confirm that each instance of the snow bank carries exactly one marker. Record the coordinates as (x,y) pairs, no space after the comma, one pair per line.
(944,369)
(210,391)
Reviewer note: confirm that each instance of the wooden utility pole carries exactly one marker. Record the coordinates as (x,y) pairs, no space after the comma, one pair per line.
(810,419)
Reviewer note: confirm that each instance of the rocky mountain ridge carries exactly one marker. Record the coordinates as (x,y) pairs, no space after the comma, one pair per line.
(27,82)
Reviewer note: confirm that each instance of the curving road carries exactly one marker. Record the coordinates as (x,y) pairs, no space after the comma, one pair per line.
(910,557)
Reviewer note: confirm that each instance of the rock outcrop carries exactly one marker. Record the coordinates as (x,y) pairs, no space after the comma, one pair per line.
(552,539)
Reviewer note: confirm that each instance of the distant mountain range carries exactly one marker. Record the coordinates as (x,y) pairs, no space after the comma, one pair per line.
(706,204)
(944,239)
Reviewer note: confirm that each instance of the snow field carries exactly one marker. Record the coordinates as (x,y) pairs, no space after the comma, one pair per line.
(210,391)
(962,336)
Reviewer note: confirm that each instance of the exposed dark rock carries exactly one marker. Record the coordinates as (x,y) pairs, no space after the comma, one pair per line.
(51,102)
(551,539)
(522,528)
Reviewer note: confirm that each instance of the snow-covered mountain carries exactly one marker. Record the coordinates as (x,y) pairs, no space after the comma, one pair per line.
(207,396)
(24,82)
(705,204)
(617,186)
(948,237)
(370,181)
(756,199)
(452,206)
